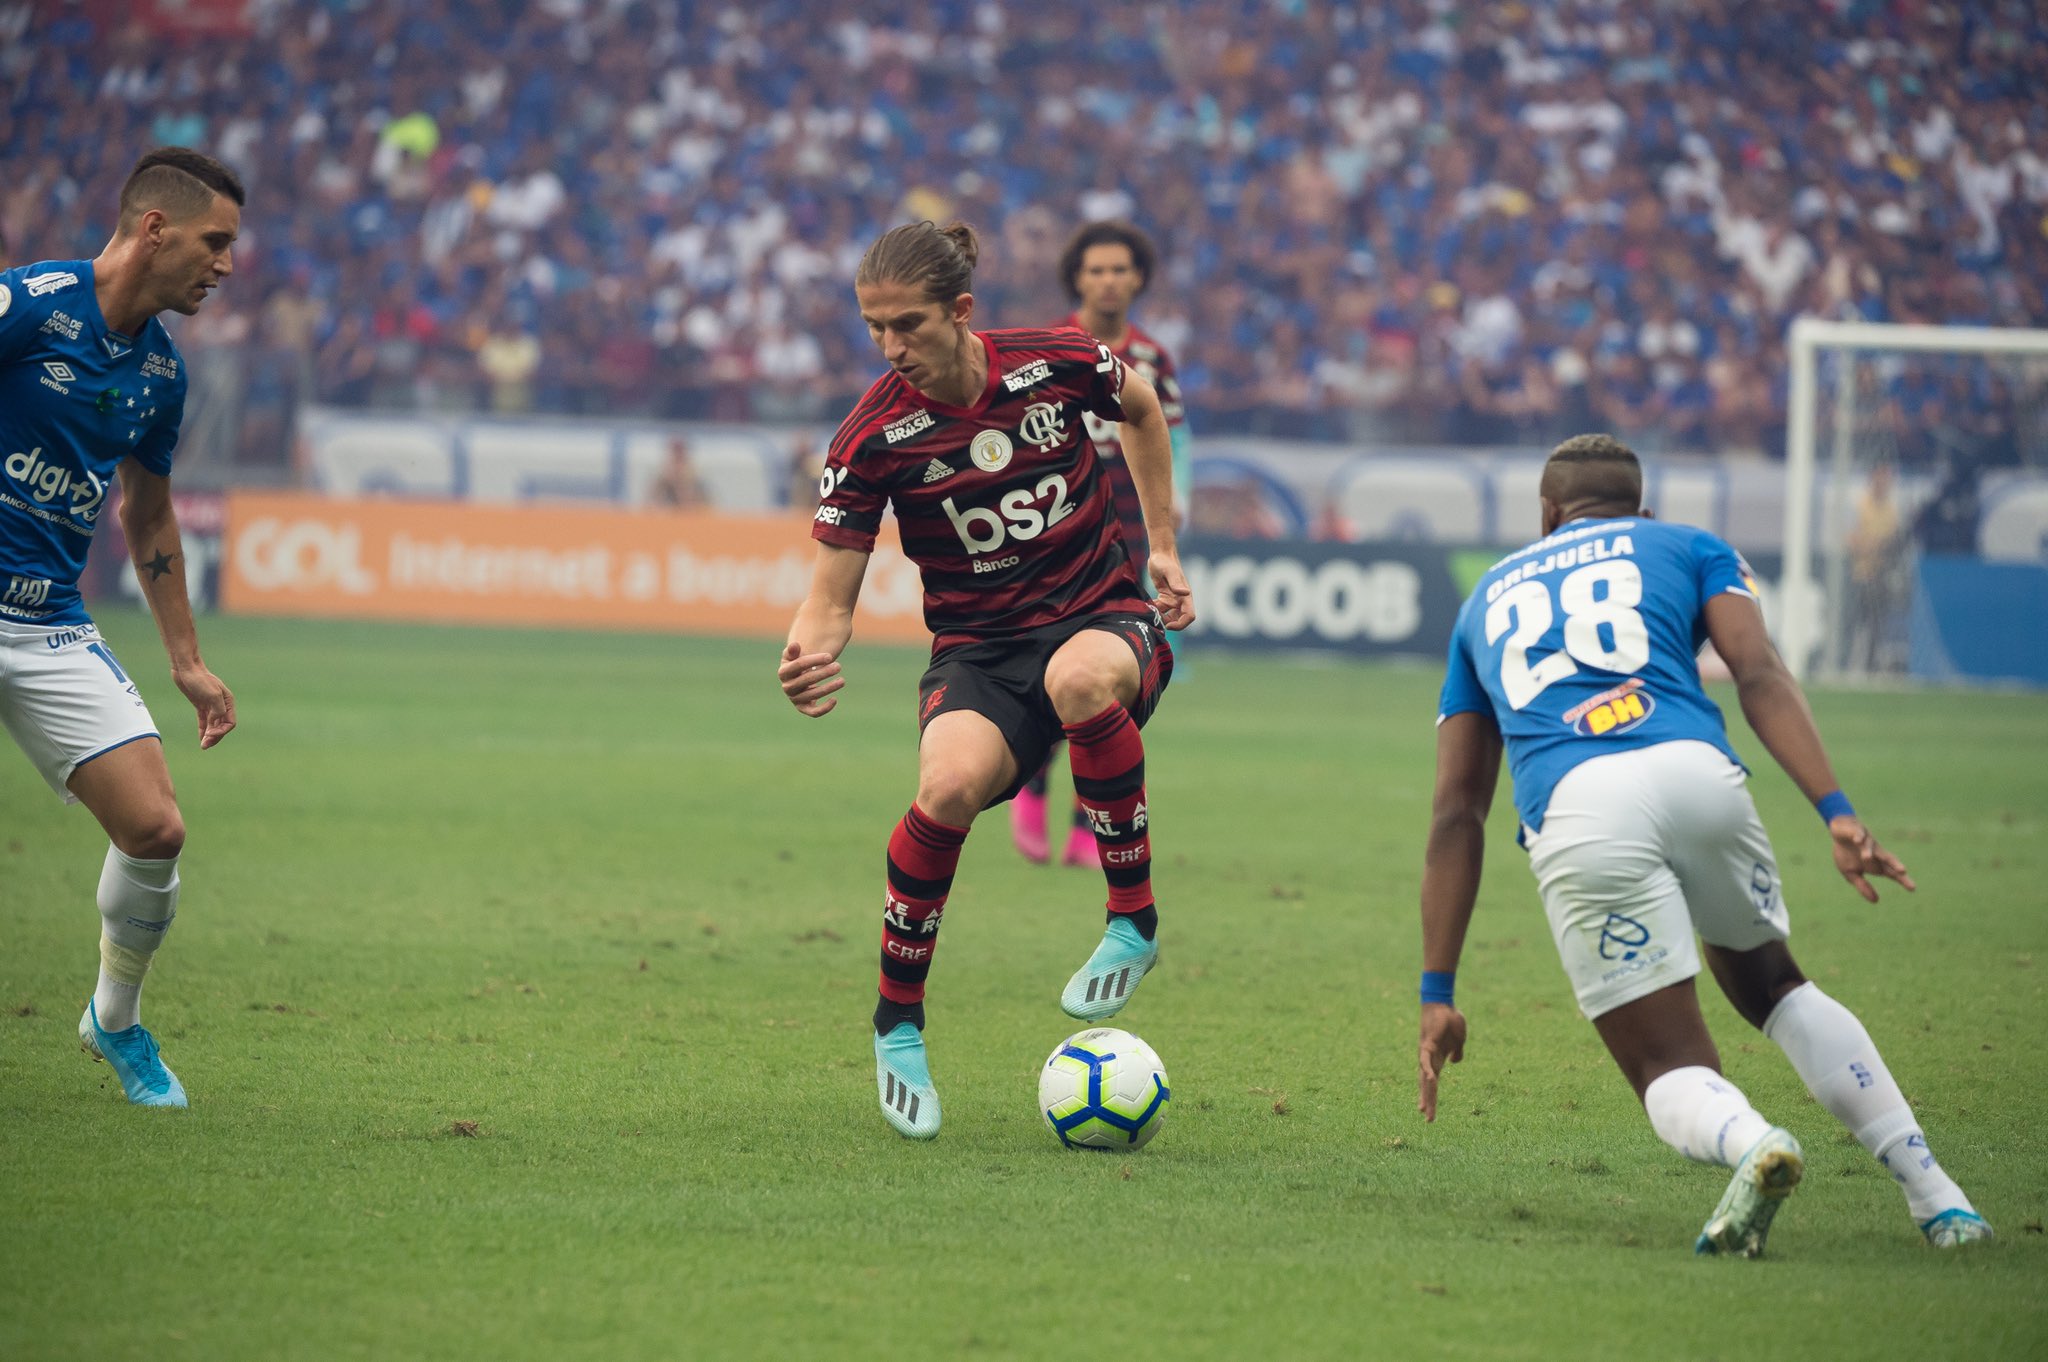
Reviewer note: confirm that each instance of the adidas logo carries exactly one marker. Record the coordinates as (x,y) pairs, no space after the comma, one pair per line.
(899,1096)
(936,470)
(1113,986)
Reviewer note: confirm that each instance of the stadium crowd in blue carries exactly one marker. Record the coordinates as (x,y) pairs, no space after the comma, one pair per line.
(1410,220)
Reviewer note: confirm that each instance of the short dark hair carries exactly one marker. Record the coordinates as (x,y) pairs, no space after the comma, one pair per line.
(179,181)
(1107,233)
(939,260)
(1593,468)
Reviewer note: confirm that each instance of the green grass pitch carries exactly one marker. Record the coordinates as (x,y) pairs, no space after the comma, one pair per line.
(521,986)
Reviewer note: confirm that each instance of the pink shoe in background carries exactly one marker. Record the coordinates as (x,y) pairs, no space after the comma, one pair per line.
(1027,826)
(1081,849)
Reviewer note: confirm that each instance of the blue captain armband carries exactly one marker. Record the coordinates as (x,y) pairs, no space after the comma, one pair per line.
(1834,805)
(1437,984)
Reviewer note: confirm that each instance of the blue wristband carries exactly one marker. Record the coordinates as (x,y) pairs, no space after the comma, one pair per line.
(1834,805)
(1436,985)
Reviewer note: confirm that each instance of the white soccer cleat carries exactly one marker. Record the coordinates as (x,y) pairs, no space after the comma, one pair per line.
(1762,1181)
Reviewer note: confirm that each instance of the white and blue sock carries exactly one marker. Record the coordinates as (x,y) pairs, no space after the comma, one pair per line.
(1839,1064)
(138,899)
(1703,1116)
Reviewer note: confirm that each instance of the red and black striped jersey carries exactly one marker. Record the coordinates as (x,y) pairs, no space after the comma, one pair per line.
(1002,505)
(1150,359)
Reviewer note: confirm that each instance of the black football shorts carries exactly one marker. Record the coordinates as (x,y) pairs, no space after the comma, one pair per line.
(1004,682)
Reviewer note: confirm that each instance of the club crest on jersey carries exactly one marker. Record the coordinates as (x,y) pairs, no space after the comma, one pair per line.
(1042,426)
(6,299)
(1612,712)
(1037,371)
(991,451)
(909,426)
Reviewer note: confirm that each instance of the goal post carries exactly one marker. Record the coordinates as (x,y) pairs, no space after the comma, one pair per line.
(1832,441)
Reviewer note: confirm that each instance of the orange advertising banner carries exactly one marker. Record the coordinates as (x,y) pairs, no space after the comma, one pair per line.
(295,553)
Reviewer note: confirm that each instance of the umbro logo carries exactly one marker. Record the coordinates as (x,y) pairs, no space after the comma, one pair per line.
(937,470)
(60,371)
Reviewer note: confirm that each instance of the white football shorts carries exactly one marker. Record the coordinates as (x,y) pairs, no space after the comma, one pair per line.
(66,699)
(1639,851)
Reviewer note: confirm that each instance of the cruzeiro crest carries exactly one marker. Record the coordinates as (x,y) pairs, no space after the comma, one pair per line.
(1042,426)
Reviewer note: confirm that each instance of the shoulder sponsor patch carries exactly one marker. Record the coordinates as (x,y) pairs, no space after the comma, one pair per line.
(39,284)
(909,426)
(1748,576)
(1037,371)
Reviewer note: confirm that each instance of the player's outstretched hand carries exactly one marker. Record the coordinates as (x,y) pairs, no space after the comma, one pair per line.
(1176,602)
(1442,1042)
(214,701)
(809,679)
(1858,857)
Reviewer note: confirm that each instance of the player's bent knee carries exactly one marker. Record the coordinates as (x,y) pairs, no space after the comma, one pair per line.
(158,837)
(1080,690)
(952,796)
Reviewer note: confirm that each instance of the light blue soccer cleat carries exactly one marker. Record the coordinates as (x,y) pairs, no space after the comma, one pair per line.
(1101,987)
(1762,1181)
(132,1056)
(1955,1228)
(903,1080)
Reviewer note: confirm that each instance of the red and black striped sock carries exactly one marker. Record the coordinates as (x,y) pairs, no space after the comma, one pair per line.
(923,853)
(1108,758)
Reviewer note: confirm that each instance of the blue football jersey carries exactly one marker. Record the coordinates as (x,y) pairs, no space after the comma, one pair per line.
(76,398)
(1587,642)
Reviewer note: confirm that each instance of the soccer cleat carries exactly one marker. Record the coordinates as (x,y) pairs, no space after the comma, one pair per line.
(1764,1178)
(1101,987)
(133,1057)
(1081,849)
(904,1082)
(1955,1228)
(1027,826)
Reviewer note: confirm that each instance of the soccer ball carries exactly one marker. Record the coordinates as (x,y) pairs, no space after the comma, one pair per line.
(1103,1089)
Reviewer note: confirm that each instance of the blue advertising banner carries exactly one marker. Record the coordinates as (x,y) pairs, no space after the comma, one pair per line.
(1980,621)
(1360,599)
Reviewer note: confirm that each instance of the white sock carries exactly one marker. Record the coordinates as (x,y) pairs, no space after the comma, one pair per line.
(1840,1066)
(138,899)
(1703,1116)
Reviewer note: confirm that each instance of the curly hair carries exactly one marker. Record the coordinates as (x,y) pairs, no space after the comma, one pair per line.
(1108,233)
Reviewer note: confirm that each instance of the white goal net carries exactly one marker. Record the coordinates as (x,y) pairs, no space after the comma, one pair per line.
(1912,453)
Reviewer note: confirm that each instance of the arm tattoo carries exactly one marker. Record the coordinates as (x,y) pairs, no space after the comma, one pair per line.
(159,567)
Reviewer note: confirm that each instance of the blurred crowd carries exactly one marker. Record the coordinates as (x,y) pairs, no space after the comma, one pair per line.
(1413,220)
